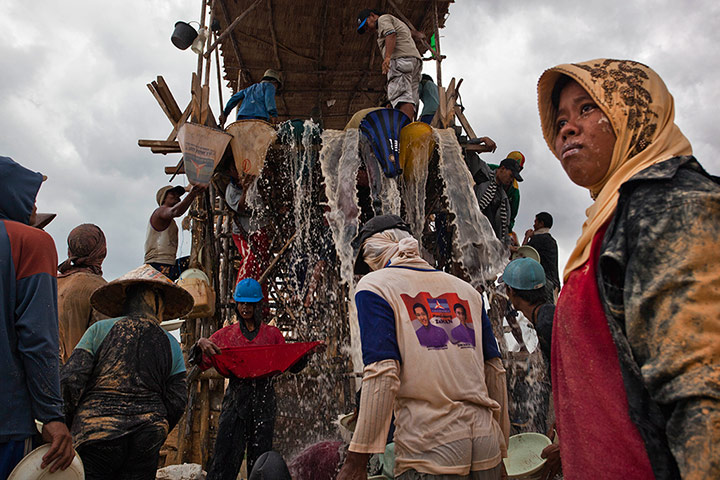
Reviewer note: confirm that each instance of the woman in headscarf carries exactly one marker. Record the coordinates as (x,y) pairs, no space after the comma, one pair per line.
(78,277)
(636,339)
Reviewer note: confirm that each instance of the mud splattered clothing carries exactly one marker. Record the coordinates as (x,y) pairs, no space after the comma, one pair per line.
(75,313)
(126,375)
(247,420)
(647,337)
(29,346)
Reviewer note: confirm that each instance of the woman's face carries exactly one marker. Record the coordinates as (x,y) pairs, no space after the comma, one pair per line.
(584,139)
(246,310)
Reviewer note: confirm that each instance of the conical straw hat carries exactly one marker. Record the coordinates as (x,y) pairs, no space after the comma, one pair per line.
(110,298)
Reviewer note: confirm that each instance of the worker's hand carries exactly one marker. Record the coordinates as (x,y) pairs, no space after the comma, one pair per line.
(552,466)
(207,347)
(61,452)
(386,66)
(355,467)
(529,233)
(490,146)
(221,119)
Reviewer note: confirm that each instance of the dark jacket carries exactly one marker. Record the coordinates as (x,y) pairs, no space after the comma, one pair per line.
(659,281)
(29,345)
(546,247)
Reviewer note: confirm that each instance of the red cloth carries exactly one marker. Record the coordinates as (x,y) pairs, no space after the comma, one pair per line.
(264,355)
(260,361)
(597,437)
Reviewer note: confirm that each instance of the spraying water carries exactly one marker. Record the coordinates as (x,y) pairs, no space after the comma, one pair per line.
(481,254)
(340,161)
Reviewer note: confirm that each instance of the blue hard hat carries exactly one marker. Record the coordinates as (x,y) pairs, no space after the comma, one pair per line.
(524,274)
(248,290)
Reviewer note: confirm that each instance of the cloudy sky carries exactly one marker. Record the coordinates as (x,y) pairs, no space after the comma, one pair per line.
(73,100)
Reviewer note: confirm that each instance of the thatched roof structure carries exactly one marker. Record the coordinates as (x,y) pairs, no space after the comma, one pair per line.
(330,71)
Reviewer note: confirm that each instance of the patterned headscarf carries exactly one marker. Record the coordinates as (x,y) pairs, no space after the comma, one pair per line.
(642,114)
(86,250)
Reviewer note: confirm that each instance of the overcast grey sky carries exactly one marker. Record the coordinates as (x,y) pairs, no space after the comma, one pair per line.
(73,100)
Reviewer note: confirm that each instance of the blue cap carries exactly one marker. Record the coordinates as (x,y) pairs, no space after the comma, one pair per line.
(248,290)
(524,274)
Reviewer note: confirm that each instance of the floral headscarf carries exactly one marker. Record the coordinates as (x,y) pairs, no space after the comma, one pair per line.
(642,114)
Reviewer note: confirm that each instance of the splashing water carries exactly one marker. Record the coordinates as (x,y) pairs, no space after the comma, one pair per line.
(481,253)
(340,162)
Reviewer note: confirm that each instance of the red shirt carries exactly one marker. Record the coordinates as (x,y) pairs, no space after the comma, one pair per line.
(597,437)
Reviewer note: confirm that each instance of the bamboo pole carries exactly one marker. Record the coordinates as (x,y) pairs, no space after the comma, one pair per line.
(438,55)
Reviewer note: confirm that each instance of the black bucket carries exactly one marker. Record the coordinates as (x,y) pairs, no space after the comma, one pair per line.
(183,35)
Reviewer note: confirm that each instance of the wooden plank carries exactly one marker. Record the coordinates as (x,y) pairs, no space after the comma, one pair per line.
(441,113)
(183,119)
(204,103)
(464,122)
(157,143)
(153,89)
(170,102)
(165,150)
(196,98)
(172,170)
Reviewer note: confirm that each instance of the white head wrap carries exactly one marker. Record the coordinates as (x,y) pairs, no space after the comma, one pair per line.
(381,248)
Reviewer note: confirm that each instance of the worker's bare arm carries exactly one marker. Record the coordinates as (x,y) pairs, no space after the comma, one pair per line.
(163,215)
(389,49)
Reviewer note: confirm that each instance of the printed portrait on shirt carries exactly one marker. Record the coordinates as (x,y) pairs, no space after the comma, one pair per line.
(440,321)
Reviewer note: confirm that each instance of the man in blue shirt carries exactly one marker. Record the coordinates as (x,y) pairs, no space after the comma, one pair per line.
(258,100)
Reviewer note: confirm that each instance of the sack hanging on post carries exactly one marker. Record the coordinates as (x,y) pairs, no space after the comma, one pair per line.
(202,149)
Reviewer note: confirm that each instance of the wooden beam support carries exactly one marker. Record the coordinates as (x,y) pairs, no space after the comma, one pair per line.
(278,62)
(410,25)
(464,122)
(152,86)
(230,27)
(157,143)
(164,91)
(174,170)
(280,46)
(244,71)
(183,119)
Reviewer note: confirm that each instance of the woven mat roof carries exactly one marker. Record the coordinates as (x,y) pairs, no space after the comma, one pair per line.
(330,71)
